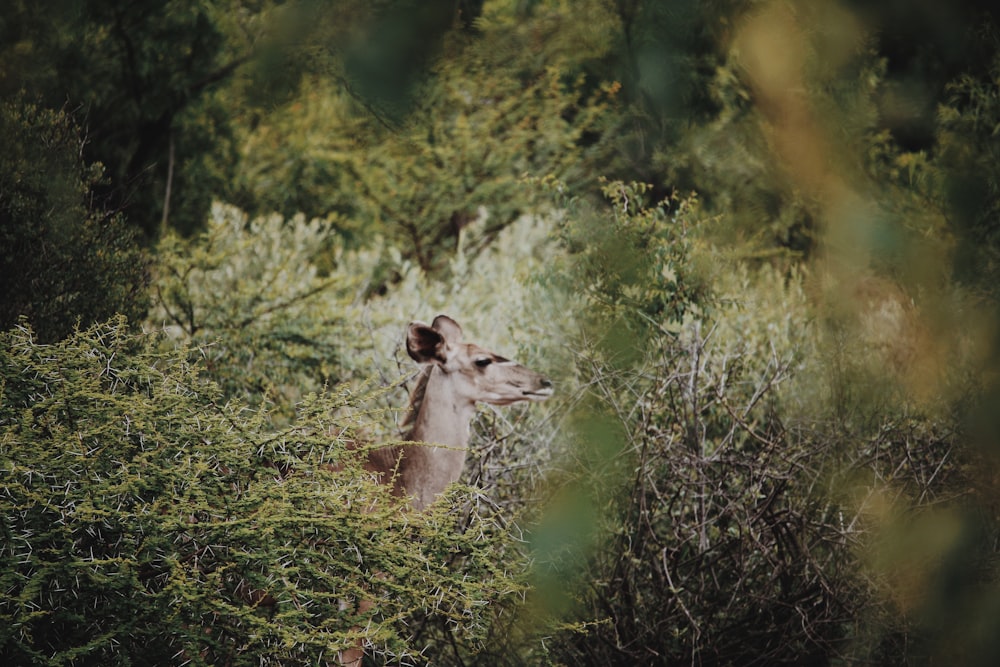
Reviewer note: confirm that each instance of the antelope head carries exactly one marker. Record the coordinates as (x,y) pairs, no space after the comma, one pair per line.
(474,373)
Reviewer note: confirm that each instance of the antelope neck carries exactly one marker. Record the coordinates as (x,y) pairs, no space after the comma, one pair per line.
(441,426)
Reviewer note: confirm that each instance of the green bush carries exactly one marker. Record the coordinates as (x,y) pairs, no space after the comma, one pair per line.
(251,297)
(148,521)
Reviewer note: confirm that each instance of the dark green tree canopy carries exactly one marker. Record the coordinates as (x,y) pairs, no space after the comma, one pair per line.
(139,79)
(63,263)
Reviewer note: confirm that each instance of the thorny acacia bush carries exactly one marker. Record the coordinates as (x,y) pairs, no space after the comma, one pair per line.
(149,520)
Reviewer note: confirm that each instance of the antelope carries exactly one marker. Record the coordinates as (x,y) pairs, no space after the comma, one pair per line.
(455,376)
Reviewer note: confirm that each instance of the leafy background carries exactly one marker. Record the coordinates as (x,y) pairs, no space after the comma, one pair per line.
(753,243)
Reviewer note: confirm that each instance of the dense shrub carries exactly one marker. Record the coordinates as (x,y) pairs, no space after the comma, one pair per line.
(148,521)
(742,466)
(710,546)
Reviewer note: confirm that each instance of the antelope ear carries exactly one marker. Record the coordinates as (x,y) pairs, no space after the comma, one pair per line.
(424,344)
(448,328)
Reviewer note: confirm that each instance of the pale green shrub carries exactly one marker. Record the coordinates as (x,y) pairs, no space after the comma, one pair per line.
(271,327)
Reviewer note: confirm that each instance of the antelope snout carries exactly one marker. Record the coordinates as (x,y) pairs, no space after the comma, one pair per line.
(542,391)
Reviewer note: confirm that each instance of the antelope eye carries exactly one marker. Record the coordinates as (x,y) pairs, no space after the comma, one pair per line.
(483,362)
